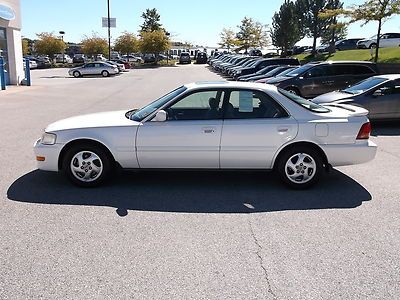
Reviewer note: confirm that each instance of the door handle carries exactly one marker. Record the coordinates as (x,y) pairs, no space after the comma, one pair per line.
(283,129)
(208,130)
(328,82)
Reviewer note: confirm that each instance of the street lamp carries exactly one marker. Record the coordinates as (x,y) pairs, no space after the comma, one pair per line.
(109,30)
(62,38)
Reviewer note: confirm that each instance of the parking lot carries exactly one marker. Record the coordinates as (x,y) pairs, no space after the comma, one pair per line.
(186,235)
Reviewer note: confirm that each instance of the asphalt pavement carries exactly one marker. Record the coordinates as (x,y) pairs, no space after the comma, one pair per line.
(186,235)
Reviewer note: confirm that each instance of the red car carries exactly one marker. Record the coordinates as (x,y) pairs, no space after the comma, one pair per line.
(125,63)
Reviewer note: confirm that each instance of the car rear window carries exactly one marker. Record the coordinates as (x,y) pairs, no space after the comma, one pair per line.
(307,104)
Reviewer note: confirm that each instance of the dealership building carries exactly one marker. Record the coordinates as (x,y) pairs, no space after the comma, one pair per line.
(10,40)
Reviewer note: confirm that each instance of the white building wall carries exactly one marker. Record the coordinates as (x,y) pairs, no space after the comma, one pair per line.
(15,62)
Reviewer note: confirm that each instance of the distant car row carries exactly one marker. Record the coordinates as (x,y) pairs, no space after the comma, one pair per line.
(354,81)
(200,58)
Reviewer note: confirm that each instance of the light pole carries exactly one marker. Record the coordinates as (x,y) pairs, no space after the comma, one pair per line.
(62,38)
(109,30)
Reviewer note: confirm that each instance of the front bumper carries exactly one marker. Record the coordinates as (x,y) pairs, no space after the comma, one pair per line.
(351,154)
(50,153)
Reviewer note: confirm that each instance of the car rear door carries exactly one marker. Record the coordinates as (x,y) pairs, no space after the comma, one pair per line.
(189,138)
(316,81)
(255,126)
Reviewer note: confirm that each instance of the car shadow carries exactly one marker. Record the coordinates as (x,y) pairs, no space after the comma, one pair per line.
(385,128)
(191,192)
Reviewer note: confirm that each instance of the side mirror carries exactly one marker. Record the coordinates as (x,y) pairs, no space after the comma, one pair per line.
(161,116)
(377,93)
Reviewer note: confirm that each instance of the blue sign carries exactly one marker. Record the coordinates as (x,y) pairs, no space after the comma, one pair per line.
(6,13)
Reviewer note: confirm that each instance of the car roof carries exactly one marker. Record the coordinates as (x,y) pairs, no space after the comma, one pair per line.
(230,84)
(388,76)
(344,62)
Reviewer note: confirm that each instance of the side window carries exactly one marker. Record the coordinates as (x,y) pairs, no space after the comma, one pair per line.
(319,71)
(361,70)
(202,105)
(245,104)
(89,66)
(339,70)
(391,88)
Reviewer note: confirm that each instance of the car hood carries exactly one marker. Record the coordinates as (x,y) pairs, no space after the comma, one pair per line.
(103,119)
(279,79)
(332,96)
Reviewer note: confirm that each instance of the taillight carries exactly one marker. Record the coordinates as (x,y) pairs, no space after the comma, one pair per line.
(364,132)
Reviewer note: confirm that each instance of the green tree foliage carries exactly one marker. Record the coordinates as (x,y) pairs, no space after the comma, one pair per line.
(285,31)
(154,42)
(308,12)
(94,45)
(335,30)
(151,21)
(228,38)
(126,43)
(49,44)
(375,10)
(251,34)
(25,47)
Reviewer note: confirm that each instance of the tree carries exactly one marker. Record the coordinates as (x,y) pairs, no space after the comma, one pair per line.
(335,30)
(94,45)
(228,38)
(151,21)
(308,12)
(375,10)
(251,34)
(285,31)
(49,44)
(25,47)
(154,42)
(126,43)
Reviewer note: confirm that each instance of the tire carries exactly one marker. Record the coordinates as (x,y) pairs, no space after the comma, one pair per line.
(87,165)
(76,74)
(105,74)
(300,167)
(373,45)
(293,91)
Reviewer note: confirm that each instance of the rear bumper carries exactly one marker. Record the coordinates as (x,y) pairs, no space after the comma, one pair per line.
(352,154)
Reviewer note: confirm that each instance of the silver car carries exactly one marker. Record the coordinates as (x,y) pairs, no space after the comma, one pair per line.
(94,68)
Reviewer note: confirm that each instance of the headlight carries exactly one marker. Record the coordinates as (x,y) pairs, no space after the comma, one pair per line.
(48,138)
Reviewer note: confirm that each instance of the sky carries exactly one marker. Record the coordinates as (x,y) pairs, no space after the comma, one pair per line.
(197,22)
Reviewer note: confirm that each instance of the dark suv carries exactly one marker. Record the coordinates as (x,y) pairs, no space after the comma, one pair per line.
(314,79)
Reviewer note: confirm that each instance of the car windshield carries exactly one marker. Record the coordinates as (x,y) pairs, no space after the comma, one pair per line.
(364,85)
(285,72)
(304,102)
(142,113)
(298,71)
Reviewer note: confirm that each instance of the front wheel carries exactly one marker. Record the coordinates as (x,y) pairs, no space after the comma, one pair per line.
(372,46)
(86,165)
(77,74)
(300,167)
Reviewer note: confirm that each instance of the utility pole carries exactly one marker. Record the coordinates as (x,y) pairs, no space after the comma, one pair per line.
(109,30)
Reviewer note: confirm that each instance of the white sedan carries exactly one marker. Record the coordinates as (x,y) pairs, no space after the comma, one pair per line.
(211,125)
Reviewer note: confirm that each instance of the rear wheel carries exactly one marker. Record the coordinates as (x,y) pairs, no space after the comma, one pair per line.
(300,167)
(105,74)
(87,165)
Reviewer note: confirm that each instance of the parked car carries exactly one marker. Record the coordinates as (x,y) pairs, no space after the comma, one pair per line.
(125,63)
(314,79)
(32,64)
(63,58)
(79,59)
(94,68)
(262,63)
(132,58)
(347,44)
(279,71)
(255,52)
(121,67)
(211,126)
(201,58)
(100,57)
(387,40)
(380,95)
(184,58)
(258,73)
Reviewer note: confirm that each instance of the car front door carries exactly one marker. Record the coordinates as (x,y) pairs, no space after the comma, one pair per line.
(189,138)
(87,69)
(255,127)
(384,102)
